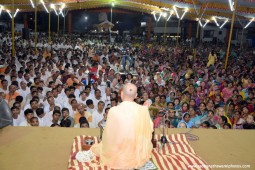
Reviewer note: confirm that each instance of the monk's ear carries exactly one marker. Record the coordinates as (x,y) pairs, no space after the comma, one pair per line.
(136,95)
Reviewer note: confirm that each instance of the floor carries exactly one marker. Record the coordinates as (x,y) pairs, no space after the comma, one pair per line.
(32,148)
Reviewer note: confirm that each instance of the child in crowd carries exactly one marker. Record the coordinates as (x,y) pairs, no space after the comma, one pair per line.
(34,121)
(250,122)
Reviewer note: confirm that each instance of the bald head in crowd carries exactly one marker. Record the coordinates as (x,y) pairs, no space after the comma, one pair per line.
(129,92)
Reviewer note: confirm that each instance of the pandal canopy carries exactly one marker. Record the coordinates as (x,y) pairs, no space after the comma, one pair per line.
(196,8)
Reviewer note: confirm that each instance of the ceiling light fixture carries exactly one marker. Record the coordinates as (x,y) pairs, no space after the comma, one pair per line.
(42,2)
(16,12)
(186,10)
(249,23)
(32,3)
(224,23)
(171,13)
(174,7)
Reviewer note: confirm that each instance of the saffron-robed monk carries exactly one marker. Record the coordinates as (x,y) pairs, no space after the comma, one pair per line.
(126,142)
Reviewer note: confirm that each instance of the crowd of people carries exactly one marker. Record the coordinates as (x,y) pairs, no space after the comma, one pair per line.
(73,82)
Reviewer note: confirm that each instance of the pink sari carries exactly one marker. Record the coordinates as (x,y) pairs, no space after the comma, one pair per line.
(227,93)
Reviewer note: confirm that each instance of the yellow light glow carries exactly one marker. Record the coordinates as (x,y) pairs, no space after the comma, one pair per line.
(52,6)
(63,6)
(164,14)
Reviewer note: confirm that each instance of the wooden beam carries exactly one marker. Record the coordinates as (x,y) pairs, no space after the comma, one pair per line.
(13,29)
(231,31)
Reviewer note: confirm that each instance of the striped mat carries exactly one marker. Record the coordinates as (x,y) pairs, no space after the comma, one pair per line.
(176,155)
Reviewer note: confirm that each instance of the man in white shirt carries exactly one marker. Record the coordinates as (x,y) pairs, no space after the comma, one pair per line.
(50,105)
(27,78)
(64,99)
(94,88)
(4,88)
(55,118)
(20,76)
(81,75)
(82,97)
(16,117)
(98,115)
(105,55)
(97,97)
(28,115)
(76,90)
(56,95)
(44,76)
(61,91)
(101,86)
(33,104)
(41,117)
(102,123)
(24,90)
(33,92)
(90,106)
(106,97)
(90,94)
(68,105)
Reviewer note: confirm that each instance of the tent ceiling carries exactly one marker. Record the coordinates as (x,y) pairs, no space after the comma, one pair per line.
(209,8)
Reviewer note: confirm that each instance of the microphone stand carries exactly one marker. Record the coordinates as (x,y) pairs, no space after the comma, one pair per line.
(163,139)
(101,132)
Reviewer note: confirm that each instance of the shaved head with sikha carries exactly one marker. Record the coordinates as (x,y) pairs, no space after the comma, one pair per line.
(129,92)
(126,123)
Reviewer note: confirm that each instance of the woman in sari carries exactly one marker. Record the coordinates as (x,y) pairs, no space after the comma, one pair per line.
(237,120)
(184,107)
(192,103)
(210,105)
(221,112)
(186,120)
(155,107)
(172,119)
(227,91)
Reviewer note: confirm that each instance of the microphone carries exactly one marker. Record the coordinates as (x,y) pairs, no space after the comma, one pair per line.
(163,138)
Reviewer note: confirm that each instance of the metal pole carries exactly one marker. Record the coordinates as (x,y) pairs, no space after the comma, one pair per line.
(231,31)
(35,24)
(49,38)
(177,37)
(111,15)
(58,24)
(13,50)
(195,48)
(165,30)
(64,29)
(197,29)
(241,45)
(110,28)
